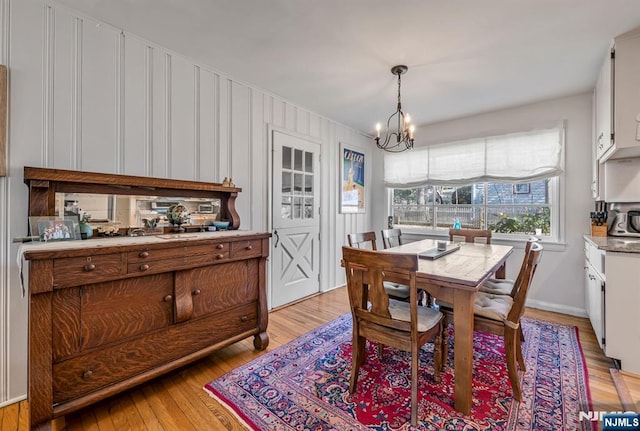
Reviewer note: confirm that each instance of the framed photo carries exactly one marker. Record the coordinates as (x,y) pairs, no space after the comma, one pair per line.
(352,181)
(521,189)
(55,228)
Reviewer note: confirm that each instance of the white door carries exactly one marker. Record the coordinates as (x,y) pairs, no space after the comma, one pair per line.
(295,245)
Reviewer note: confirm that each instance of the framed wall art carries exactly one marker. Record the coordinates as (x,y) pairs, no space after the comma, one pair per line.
(352,181)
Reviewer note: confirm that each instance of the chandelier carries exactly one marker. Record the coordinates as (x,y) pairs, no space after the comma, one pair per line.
(402,138)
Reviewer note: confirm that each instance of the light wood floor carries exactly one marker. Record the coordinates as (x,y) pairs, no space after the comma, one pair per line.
(178,402)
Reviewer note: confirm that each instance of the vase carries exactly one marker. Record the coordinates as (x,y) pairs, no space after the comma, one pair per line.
(86,231)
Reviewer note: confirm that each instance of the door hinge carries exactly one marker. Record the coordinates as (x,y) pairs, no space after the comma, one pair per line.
(318,277)
(602,286)
(603,343)
(318,236)
(613,53)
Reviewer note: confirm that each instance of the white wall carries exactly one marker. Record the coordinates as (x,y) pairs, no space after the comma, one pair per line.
(559,280)
(87,96)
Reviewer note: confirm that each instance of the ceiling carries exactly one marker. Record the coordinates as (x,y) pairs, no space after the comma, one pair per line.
(334,56)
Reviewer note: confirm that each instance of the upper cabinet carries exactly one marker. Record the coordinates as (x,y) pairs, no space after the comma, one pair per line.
(604,105)
(618,100)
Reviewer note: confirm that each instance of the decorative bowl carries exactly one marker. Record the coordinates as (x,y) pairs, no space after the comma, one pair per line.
(221,224)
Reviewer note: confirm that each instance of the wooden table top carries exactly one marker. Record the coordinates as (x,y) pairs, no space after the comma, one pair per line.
(468,267)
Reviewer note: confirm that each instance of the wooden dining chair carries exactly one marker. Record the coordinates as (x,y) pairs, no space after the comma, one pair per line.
(391,237)
(367,240)
(471,235)
(376,317)
(503,286)
(501,314)
(476,236)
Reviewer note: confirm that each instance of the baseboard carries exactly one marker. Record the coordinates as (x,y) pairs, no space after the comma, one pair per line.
(549,306)
(13,401)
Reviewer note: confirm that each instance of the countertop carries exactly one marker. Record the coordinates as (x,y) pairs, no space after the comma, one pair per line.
(615,243)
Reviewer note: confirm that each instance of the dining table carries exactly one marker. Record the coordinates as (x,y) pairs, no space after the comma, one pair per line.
(455,278)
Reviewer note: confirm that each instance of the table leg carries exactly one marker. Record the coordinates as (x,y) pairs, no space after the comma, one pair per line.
(463,348)
(501,273)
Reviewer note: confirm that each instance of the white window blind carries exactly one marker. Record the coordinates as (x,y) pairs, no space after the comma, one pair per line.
(515,157)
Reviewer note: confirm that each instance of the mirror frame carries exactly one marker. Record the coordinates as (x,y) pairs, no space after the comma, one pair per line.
(44,183)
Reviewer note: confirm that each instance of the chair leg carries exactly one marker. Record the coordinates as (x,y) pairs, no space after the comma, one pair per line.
(414,383)
(445,342)
(510,344)
(437,354)
(519,352)
(358,352)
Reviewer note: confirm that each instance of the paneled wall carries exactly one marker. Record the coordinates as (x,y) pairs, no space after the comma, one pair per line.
(87,96)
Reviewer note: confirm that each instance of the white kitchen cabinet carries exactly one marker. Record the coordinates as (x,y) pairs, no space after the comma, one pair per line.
(604,104)
(618,100)
(622,306)
(597,169)
(595,290)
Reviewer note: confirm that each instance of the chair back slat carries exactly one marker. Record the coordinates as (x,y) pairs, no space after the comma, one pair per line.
(391,238)
(366,240)
(523,282)
(471,235)
(527,249)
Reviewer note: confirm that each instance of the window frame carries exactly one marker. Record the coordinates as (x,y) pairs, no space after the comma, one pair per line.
(556,203)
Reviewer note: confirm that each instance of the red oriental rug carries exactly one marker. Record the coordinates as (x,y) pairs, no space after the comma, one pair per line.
(304,385)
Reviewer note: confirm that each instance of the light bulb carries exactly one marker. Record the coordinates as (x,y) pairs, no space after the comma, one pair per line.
(378,127)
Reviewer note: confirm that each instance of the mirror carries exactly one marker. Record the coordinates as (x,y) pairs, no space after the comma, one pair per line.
(131,211)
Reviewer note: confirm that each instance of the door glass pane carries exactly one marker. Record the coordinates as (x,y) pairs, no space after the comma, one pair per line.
(308,208)
(308,184)
(297,183)
(285,208)
(297,164)
(297,208)
(286,182)
(308,162)
(286,158)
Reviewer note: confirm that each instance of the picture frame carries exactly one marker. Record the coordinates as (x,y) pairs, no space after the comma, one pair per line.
(521,189)
(55,228)
(352,180)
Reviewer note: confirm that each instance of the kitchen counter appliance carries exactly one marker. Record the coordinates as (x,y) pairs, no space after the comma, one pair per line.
(624,220)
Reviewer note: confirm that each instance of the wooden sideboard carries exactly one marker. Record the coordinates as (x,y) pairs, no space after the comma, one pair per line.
(107,314)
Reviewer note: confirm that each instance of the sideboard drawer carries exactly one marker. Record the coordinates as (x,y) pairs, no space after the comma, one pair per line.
(244,249)
(154,266)
(210,253)
(74,271)
(146,255)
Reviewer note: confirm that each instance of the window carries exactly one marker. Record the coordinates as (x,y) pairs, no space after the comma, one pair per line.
(508,183)
(499,207)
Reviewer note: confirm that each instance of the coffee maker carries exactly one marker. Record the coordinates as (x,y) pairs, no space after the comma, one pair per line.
(623,219)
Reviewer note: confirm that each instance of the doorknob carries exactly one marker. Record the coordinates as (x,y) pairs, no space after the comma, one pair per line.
(275,232)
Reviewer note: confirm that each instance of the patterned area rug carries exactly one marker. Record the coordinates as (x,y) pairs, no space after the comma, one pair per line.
(304,385)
